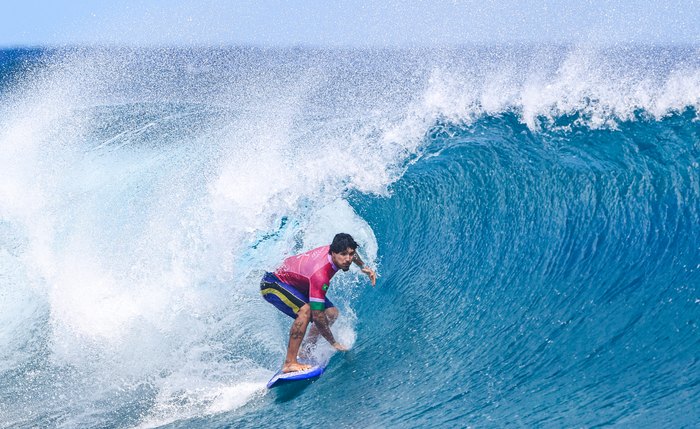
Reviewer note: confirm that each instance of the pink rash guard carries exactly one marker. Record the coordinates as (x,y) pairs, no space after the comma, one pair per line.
(310,273)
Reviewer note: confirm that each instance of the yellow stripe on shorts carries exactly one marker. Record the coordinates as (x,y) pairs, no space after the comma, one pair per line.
(281,296)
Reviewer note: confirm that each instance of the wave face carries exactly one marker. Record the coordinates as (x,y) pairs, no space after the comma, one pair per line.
(545,279)
(533,212)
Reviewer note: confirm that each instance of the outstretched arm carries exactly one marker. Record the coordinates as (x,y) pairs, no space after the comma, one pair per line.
(321,322)
(365,269)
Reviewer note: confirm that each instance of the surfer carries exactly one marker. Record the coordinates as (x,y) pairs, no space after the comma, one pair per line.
(298,289)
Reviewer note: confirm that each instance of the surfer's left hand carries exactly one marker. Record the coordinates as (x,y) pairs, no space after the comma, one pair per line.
(370,272)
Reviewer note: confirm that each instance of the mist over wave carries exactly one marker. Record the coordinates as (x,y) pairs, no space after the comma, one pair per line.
(532,210)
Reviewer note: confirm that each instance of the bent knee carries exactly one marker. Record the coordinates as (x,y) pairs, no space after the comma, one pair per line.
(332,312)
(304,312)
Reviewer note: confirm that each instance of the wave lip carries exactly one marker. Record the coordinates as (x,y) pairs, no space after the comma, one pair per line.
(601,87)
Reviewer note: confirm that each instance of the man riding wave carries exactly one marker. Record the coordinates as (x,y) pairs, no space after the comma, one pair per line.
(298,289)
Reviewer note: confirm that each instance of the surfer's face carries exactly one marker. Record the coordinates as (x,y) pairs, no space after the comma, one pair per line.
(343,260)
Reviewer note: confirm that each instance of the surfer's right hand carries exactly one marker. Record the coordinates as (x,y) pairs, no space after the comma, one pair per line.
(340,347)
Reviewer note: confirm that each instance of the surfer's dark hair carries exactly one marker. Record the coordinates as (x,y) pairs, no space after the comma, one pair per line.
(341,242)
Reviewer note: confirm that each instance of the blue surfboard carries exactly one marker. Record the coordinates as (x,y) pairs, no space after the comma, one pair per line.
(282,378)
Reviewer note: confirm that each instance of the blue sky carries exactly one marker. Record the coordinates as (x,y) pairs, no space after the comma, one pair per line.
(346,23)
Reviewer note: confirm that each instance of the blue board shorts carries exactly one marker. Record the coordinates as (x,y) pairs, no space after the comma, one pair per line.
(285,297)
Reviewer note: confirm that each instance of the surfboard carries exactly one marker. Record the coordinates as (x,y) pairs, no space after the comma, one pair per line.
(282,378)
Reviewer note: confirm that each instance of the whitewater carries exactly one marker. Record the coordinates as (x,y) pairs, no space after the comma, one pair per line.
(532,211)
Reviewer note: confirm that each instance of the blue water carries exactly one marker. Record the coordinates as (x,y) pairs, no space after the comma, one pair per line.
(533,213)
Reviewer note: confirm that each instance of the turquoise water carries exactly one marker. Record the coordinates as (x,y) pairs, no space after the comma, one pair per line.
(532,211)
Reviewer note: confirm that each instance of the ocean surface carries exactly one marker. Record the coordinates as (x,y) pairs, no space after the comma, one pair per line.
(533,213)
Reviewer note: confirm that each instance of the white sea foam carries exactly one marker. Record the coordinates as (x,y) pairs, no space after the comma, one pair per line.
(602,87)
(138,261)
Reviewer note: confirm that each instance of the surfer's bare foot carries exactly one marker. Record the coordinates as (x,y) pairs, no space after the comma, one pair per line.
(294,366)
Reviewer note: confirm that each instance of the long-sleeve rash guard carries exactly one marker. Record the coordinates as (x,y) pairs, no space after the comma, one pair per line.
(310,273)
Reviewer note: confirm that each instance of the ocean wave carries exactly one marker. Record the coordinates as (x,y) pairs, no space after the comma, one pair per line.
(532,210)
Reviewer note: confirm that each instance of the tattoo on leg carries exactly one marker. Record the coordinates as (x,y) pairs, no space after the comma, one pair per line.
(297,331)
